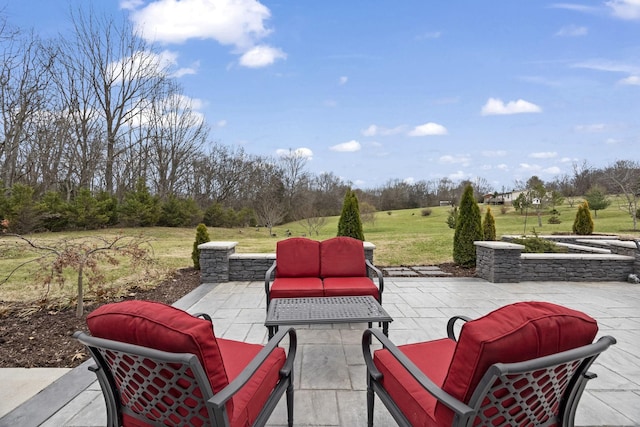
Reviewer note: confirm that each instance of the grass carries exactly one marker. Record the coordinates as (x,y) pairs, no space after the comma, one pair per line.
(402,237)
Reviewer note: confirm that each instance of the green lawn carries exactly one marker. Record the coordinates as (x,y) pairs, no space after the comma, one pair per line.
(403,237)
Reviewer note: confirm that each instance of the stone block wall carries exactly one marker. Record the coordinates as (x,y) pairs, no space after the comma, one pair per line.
(502,262)
(498,262)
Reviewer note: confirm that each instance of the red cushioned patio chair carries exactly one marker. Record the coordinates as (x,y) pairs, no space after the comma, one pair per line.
(345,270)
(524,364)
(296,269)
(161,366)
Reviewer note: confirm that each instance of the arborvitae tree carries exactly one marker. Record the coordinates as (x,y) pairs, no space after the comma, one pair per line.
(489,226)
(350,223)
(583,224)
(468,230)
(202,236)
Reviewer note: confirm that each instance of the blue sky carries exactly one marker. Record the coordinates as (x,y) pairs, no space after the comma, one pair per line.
(375,90)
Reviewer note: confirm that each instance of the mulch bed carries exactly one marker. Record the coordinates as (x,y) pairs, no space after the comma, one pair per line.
(42,338)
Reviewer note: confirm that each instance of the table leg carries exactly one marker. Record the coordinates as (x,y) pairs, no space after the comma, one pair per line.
(385,328)
(272,331)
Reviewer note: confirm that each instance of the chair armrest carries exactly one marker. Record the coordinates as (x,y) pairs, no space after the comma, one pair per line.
(220,399)
(454,404)
(378,272)
(267,281)
(451,325)
(205,316)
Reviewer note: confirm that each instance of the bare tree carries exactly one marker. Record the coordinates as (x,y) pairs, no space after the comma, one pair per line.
(176,136)
(294,179)
(625,176)
(24,76)
(124,74)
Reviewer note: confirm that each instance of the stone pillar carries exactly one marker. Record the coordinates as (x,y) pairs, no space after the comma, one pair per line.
(214,261)
(368,250)
(498,262)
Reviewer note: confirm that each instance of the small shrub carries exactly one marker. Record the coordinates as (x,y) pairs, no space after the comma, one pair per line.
(554,220)
(452,218)
(489,226)
(554,212)
(583,224)
(350,224)
(538,245)
(468,230)
(202,236)
(389,212)
(426,212)
(504,209)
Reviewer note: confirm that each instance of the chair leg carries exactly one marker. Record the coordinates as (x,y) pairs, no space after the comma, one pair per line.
(290,403)
(370,400)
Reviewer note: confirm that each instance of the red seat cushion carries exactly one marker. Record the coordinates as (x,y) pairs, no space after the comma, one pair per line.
(250,400)
(290,287)
(433,359)
(347,286)
(342,257)
(162,327)
(513,333)
(298,257)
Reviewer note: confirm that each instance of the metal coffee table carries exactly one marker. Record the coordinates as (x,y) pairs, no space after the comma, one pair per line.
(307,311)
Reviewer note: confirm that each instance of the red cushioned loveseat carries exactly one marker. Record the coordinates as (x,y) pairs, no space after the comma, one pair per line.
(524,364)
(332,267)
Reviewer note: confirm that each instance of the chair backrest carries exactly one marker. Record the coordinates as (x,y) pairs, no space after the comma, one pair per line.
(298,257)
(514,333)
(342,257)
(161,327)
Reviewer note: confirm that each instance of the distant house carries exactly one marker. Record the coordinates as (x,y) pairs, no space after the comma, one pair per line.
(501,198)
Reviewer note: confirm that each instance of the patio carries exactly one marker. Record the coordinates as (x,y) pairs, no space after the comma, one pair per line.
(330,371)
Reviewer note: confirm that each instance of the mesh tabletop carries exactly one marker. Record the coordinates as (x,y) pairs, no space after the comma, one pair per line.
(292,311)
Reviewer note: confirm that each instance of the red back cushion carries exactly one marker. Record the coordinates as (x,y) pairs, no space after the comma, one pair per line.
(298,257)
(162,327)
(514,333)
(342,257)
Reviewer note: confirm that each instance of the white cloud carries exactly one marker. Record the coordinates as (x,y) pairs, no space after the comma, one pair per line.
(494,153)
(302,152)
(631,80)
(347,147)
(502,167)
(430,35)
(592,128)
(611,141)
(553,170)
(409,180)
(458,176)
(428,129)
(375,130)
(574,7)
(343,80)
(572,31)
(544,155)
(221,123)
(625,9)
(261,56)
(448,159)
(529,167)
(495,106)
(237,23)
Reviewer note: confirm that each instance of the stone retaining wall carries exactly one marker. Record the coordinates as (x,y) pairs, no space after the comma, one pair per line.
(219,263)
(503,262)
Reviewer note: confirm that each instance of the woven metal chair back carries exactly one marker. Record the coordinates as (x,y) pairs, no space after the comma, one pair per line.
(533,398)
(156,387)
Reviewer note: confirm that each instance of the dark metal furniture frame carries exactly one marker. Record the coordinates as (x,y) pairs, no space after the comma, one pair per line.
(323,310)
(126,372)
(547,388)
